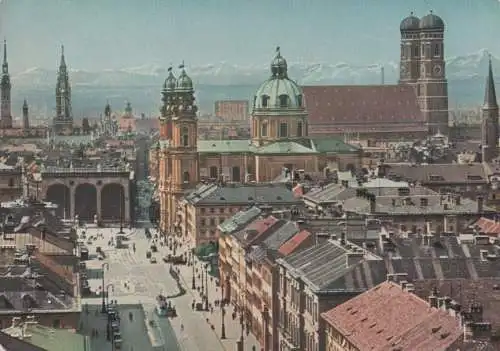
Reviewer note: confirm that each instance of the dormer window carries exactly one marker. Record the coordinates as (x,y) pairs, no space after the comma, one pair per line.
(265,100)
(283,100)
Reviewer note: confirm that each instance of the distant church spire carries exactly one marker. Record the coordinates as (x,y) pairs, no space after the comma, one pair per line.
(63,60)
(5,65)
(489,116)
(490,96)
(26,121)
(5,87)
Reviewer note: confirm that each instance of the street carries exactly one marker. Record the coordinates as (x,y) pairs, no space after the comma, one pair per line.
(133,281)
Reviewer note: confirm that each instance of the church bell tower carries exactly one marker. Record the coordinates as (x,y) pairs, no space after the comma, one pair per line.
(5,88)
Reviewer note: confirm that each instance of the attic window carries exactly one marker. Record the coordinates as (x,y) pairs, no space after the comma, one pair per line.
(222,198)
(436,178)
(445,335)
(279,198)
(250,198)
(474,177)
(436,329)
(283,100)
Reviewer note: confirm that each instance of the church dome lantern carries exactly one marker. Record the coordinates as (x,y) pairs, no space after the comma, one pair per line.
(432,22)
(279,91)
(410,23)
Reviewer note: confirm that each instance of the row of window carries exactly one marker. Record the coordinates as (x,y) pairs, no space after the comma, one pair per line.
(417,52)
(235,173)
(283,129)
(284,100)
(213,221)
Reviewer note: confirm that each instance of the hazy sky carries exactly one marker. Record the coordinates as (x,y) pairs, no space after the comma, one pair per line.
(101,34)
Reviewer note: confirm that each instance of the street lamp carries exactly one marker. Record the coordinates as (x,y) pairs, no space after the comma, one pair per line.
(193,281)
(103,310)
(121,210)
(202,282)
(223,326)
(206,287)
(107,291)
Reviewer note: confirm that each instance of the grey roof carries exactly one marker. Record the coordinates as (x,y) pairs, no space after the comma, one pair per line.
(324,267)
(319,265)
(281,235)
(432,22)
(412,205)
(239,220)
(438,173)
(270,193)
(410,23)
(379,187)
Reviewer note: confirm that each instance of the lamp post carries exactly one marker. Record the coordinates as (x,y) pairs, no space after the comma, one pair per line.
(193,281)
(202,282)
(223,326)
(206,287)
(121,210)
(110,285)
(103,288)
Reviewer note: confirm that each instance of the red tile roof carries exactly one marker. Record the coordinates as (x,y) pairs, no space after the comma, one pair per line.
(298,190)
(292,244)
(387,317)
(363,106)
(488,226)
(259,227)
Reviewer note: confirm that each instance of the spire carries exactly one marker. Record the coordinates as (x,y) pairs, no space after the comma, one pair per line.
(490,97)
(63,60)
(5,65)
(25,104)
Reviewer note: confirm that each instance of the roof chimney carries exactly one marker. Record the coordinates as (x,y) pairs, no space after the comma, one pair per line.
(433,298)
(480,204)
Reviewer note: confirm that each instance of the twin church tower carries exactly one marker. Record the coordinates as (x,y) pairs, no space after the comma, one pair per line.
(423,66)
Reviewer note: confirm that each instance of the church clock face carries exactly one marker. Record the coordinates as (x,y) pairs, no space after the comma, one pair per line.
(437,70)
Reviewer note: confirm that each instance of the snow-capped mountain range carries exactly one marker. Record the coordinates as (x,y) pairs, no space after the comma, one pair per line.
(457,68)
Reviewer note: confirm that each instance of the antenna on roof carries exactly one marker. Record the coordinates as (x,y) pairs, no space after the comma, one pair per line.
(382,75)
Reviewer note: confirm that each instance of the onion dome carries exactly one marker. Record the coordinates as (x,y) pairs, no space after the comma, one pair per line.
(184,83)
(432,22)
(410,23)
(170,83)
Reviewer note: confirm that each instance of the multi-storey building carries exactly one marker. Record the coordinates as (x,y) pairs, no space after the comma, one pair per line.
(249,244)
(232,110)
(209,205)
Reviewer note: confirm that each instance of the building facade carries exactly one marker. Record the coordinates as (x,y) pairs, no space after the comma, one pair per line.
(11,183)
(232,110)
(279,141)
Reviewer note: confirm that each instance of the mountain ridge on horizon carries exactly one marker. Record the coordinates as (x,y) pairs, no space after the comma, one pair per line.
(223,73)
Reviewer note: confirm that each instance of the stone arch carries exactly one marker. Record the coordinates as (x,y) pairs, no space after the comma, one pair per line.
(112,202)
(60,194)
(86,201)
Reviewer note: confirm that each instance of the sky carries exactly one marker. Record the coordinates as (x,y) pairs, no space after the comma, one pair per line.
(115,34)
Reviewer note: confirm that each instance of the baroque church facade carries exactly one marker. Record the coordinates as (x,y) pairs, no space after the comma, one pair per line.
(279,142)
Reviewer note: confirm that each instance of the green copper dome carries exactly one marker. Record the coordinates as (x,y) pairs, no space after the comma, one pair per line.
(279,91)
(184,83)
(170,83)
